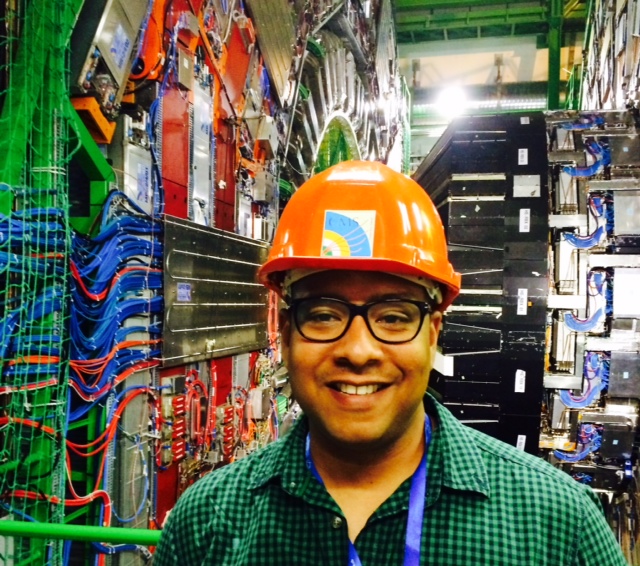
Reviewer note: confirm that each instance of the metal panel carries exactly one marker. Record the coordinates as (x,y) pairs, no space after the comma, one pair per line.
(201,194)
(213,305)
(627,213)
(276,32)
(626,283)
(116,36)
(624,377)
(132,164)
(625,149)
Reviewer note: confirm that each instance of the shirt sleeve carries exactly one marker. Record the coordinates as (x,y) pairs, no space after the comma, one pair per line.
(167,552)
(596,545)
(183,540)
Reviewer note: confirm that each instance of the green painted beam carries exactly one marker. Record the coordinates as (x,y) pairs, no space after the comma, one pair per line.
(423,20)
(473,17)
(95,166)
(555,46)
(440,4)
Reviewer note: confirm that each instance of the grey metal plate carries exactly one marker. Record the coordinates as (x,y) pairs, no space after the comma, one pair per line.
(627,213)
(276,37)
(214,306)
(624,375)
(115,38)
(625,149)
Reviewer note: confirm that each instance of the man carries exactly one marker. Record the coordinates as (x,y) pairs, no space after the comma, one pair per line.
(376,472)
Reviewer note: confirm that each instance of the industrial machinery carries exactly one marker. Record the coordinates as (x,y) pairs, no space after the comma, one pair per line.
(149,148)
(542,348)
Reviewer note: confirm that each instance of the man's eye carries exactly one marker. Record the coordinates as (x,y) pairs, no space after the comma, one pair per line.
(323,315)
(392,318)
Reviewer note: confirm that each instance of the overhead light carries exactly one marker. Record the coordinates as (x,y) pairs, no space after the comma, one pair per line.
(451,102)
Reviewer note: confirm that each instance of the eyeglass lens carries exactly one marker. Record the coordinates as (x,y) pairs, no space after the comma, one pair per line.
(325,319)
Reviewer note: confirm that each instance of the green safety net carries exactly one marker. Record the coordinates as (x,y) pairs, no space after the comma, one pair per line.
(34,253)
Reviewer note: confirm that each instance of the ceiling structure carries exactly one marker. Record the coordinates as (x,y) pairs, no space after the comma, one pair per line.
(547,25)
(435,20)
(422,21)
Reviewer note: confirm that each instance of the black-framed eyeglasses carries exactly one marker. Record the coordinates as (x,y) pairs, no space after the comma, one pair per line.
(392,321)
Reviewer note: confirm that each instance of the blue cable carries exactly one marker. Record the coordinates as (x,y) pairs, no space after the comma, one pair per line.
(587,325)
(602,156)
(595,369)
(585,242)
(594,442)
(585,122)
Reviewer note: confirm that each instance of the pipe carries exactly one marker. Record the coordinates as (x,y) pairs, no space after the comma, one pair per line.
(113,535)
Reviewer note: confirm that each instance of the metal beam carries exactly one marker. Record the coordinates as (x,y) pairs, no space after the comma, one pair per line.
(555,46)
(418,24)
(424,20)
(437,5)
(533,14)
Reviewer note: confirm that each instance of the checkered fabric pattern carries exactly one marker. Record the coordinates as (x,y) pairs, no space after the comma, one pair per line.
(488,504)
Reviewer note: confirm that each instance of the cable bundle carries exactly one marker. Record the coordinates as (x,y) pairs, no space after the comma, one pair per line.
(590,440)
(598,211)
(596,375)
(584,122)
(115,333)
(602,157)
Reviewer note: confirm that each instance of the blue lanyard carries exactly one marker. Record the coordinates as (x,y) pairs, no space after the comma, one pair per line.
(417,498)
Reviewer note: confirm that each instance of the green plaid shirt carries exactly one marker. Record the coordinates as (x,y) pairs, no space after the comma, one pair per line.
(488,504)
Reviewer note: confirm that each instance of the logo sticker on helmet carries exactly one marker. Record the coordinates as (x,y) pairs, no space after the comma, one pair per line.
(348,233)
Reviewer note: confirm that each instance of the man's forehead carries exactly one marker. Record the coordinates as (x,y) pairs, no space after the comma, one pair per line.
(357,284)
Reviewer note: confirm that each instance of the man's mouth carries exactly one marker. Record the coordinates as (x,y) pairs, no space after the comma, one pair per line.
(349,389)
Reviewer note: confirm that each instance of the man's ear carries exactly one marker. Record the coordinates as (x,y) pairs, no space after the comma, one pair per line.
(435,325)
(284,324)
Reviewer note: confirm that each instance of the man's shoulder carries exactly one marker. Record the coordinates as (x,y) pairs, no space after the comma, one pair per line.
(249,472)
(506,464)
(500,457)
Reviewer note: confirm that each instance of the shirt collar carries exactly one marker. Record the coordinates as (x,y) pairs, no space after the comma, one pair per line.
(284,459)
(455,460)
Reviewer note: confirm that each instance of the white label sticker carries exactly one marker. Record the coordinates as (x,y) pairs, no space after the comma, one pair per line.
(521,376)
(526,186)
(120,47)
(524,120)
(523,156)
(144,189)
(625,375)
(523,299)
(184,292)
(525,220)
(522,440)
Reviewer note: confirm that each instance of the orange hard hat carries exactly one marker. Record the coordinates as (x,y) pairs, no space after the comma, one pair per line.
(363,216)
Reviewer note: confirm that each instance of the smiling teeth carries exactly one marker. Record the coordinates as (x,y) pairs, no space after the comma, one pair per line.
(357,390)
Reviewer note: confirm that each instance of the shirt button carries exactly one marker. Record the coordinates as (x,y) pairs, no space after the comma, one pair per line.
(292,485)
(337,522)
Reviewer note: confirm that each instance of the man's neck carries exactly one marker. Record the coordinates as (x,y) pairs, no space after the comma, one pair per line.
(349,464)
(360,479)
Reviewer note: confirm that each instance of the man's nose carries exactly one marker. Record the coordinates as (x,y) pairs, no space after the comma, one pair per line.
(358,345)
